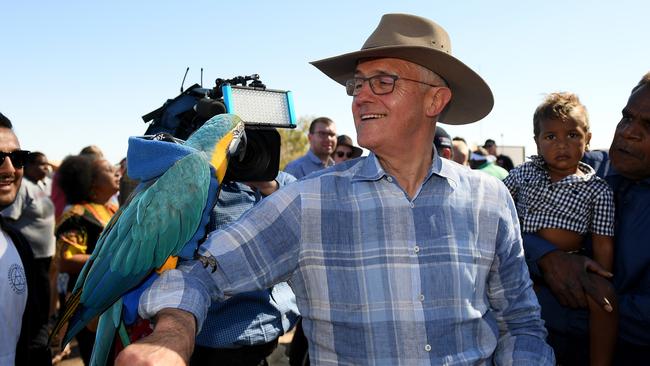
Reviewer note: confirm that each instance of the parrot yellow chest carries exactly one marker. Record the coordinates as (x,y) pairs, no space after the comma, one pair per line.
(219,157)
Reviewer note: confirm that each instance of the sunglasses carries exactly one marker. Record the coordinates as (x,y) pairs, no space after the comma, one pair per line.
(18,158)
(340,154)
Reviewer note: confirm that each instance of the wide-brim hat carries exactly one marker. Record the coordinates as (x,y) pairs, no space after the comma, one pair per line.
(346,140)
(421,41)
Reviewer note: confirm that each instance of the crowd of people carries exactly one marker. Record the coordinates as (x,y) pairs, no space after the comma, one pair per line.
(425,251)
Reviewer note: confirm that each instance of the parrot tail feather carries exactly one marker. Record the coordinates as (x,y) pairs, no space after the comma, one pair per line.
(70,308)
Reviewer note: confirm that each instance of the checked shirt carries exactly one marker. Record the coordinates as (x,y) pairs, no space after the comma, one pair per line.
(584,204)
(381,278)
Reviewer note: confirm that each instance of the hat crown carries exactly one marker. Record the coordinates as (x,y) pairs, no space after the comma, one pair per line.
(344,140)
(410,31)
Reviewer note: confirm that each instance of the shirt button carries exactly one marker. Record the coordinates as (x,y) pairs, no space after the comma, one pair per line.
(421,297)
(411,204)
(427,348)
(390,179)
(416,249)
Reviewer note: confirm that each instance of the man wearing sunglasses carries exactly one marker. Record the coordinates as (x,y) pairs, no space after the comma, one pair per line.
(345,149)
(397,258)
(20,308)
(32,214)
(322,142)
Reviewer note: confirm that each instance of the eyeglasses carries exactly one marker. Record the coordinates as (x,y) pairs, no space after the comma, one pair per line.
(340,154)
(379,84)
(325,134)
(18,157)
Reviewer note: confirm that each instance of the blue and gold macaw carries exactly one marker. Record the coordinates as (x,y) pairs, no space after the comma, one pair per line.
(164,218)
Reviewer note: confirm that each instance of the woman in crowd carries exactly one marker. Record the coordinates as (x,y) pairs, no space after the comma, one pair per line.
(89,184)
(345,149)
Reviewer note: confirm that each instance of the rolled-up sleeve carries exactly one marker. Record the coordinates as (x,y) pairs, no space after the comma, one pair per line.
(254,253)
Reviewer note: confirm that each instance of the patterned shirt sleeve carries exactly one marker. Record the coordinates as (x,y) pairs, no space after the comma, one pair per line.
(191,287)
(515,306)
(603,215)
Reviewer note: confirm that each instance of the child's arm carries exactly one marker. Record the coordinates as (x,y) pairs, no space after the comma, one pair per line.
(602,226)
(603,247)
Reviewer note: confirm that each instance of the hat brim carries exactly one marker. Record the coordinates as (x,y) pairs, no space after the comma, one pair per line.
(471,97)
(356,152)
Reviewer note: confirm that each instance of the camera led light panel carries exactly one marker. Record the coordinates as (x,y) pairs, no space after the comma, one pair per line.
(257,107)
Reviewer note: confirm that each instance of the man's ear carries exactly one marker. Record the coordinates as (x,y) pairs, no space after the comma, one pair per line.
(437,99)
(587,140)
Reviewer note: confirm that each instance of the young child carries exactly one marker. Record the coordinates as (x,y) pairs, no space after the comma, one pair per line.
(561,199)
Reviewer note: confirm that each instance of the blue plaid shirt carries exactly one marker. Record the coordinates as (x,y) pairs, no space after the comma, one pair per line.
(381,279)
(254,317)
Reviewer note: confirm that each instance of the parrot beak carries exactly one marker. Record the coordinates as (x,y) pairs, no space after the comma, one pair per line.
(224,150)
(237,148)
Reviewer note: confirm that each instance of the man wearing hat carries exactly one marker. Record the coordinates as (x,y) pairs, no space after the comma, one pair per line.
(442,142)
(345,149)
(502,160)
(397,258)
(481,160)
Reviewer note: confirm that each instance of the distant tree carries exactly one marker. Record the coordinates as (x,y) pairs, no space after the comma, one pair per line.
(294,141)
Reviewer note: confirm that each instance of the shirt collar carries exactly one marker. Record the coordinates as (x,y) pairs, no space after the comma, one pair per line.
(586,169)
(371,170)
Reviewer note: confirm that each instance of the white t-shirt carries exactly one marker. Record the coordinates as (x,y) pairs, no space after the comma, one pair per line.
(13,298)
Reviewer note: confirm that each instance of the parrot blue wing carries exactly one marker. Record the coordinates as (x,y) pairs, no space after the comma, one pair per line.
(161,218)
(156,224)
(109,322)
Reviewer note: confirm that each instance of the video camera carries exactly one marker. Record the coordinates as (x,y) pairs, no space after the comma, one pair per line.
(262,110)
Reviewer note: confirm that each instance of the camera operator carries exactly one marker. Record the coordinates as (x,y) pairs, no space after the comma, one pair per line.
(244,329)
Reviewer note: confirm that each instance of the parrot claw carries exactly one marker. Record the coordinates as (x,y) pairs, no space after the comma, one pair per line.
(207,261)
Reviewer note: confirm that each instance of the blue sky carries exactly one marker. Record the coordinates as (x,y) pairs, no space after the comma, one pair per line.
(76,73)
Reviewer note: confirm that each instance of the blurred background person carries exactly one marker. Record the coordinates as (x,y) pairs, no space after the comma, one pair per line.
(345,149)
(57,195)
(481,160)
(461,151)
(21,310)
(88,183)
(442,142)
(502,160)
(32,214)
(322,143)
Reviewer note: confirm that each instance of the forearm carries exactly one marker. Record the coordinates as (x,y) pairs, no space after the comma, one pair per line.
(177,328)
(534,249)
(603,248)
(171,343)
